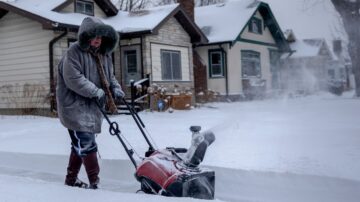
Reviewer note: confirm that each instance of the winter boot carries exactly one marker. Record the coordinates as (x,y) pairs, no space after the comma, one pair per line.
(92,169)
(73,170)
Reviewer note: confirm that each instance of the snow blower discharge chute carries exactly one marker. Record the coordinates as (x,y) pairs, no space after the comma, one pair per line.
(171,171)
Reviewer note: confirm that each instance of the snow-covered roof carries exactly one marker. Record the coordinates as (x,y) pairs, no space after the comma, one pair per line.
(310,19)
(43,9)
(308,48)
(224,22)
(123,22)
(148,19)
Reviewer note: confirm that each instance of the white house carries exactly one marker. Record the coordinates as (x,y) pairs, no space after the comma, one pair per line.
(245,44)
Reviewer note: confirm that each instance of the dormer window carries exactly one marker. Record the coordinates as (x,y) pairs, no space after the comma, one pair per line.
(255,25)
(84,7)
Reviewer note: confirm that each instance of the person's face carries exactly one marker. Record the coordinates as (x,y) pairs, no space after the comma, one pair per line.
(96,42)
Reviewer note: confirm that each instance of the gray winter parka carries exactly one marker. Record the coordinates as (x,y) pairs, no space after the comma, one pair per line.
(78,79)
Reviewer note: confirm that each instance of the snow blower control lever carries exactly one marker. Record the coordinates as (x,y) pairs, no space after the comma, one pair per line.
(115,131)
(140,125)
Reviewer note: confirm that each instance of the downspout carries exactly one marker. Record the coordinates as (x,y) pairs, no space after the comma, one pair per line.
(226,71)
(121,71)
(51,65)
(141,57)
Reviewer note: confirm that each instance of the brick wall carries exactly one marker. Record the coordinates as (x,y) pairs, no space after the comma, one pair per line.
(200,77)
(188,6)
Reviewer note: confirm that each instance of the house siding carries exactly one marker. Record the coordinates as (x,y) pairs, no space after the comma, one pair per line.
(235,73)
(260,43)
(234,66)
(24,66)
(307,74)
(171,36)
(156,61)
(214,84)
(265,37)
(59,49)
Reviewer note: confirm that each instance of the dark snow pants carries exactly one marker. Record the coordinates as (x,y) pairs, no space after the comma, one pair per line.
(83,143)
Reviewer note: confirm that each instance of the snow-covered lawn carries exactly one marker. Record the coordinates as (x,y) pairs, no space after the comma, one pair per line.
(303,149)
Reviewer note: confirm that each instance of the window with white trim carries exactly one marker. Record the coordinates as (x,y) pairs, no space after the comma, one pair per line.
(216,63)
(84,7)
(250,63)
(171,65)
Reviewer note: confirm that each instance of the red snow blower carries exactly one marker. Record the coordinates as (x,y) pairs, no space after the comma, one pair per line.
(171,171)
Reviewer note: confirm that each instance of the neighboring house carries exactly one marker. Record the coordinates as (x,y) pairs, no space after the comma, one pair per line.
(34,34)
(341,68)
(245,44)
(316,21)
(312,66)
(307,66)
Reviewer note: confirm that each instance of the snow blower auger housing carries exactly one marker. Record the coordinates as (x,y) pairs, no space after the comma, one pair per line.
(176,171)
(172,171)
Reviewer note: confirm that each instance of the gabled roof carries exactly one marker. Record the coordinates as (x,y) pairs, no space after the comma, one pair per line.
(150,21)
(225,22)
(126,23)
(106,5)
(309,48)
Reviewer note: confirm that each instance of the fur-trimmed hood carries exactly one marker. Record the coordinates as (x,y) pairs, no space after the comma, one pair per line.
(92,27)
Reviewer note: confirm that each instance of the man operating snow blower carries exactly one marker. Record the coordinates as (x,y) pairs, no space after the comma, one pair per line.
(85,79)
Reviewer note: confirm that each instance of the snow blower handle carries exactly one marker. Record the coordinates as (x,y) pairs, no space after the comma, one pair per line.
(114,130)
(114,127)
(140,124)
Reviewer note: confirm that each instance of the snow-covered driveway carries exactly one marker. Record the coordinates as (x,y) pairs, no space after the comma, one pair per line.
(38,177)
(304,149)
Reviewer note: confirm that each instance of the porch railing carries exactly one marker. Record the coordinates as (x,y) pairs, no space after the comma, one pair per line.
(139,92)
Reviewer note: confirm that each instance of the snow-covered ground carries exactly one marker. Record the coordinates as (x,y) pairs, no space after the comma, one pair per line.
(300,149)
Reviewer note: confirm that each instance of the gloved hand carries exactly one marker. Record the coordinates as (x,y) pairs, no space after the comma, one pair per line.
(100,97)
(118,94)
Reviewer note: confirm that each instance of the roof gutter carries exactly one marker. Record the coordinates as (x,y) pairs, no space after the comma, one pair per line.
(51,65)
(290,53)
(214,43)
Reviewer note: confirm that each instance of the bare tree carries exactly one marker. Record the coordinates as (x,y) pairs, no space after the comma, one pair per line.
(349,11)
(130,5)
(165,2)
(208,2)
